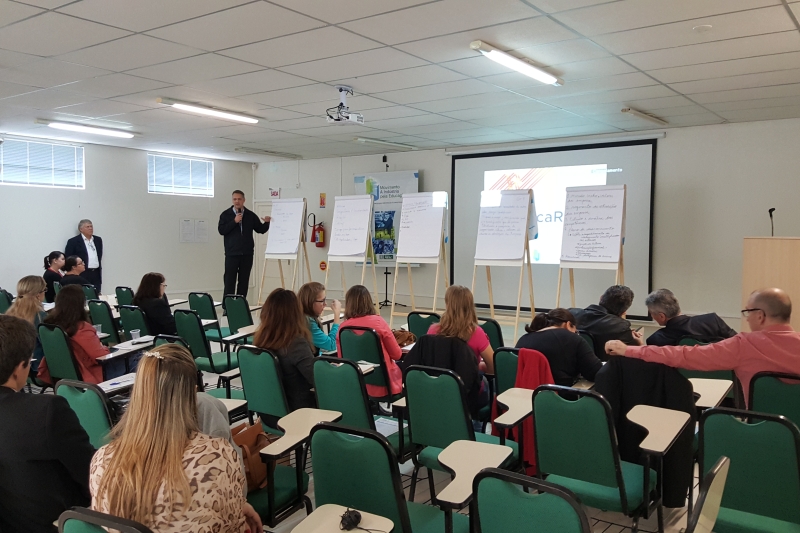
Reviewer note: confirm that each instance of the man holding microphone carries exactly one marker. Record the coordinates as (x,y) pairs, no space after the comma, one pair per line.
(237,225)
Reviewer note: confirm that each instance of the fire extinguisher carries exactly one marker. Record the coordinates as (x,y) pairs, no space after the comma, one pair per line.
(317,231)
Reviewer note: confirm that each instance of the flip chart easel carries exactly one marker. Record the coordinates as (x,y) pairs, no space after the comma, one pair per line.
(288,214)
(503,240)
(594,233)
(352,217)
(419,242)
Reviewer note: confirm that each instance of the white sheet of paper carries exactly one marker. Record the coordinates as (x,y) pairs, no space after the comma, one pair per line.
(351,221)
(284,228)
(200,230)
(387,427)
(502,225)
(420,226)
(187,230)
(594,219)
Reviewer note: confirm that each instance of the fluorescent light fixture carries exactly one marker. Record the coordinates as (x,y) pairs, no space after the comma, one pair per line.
(209,111)
(491,198)
(645,116)
(81,128)
(259,151)
(384,143)
(440,199)
(514,63)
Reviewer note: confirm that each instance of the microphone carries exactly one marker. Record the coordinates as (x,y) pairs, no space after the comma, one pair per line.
(771,222)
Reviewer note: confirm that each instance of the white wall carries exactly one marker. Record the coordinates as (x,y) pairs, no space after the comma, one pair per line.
(139,230)
(714,185)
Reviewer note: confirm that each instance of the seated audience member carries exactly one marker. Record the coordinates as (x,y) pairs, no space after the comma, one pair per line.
(312,298)
(772,345)
(70,314)
(158,468)
(28,307)
(44,451)
(149,298)
(666,311)
(284,332)
(554,334)
(53,264)
(459,320)
(606,321)
(73,268)
(359,310)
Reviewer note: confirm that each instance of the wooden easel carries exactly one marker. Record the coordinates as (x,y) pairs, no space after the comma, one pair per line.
(441,262)
(619,278)
(368,253)
(296,257)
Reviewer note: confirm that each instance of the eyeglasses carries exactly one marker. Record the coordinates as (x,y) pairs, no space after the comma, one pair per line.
(163,284)
(321,301)
(746,312)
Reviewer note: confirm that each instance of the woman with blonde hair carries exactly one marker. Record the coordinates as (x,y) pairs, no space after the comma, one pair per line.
(28,306)
(359,310)
(312,298)
(459,320)
(158,468)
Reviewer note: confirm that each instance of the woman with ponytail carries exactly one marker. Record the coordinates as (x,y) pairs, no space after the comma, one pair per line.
(555,335)
(53,263)
(28,307)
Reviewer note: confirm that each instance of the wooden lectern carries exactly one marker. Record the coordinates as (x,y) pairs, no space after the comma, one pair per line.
(772,262)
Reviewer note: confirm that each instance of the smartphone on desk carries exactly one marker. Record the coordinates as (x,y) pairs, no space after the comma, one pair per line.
(134,342)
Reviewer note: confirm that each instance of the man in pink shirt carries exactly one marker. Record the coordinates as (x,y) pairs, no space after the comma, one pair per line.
(772,345)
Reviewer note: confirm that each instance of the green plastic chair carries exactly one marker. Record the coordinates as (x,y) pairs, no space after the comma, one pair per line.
(263,384)
(418,323)
(239,315)
(90,292)
(438,416)
(505,368)
(60,361)
(500,506)
(80,520)
(706,510)
(124,295)
(768,394)
(57,286)
(763,486)
(587,337)
(5,301)
(190,329)
(357,343)
(576,446)
(203,304)
(358,468)
(493,331)
(133,318)
(169,339)
(91,405)
(340,386)
(100,313)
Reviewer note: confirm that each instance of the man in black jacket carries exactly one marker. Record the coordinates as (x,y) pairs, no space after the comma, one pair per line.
(666,311)
(237,225)
(44,451)
(88,247)
(606,322)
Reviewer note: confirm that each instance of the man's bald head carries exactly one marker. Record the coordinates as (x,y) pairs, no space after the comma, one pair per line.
(775,303)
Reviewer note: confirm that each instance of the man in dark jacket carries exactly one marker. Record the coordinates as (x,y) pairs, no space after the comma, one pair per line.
(88,247)
(237,225)
(44,451)
(606,322)
(666,311)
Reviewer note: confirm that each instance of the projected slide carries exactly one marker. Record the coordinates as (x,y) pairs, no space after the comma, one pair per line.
(550,194)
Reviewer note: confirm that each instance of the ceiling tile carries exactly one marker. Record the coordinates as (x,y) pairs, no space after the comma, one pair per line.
(357,64)
(10,59)
(777,91)
(130,52)
(437,18)
(746,81)
(475,67)
(188,94)
(299,123)
(237,26)
(46,99)
(252,82)
(342,11)
(264,136)
(592,85)
(730,26)
(751,65)
(306,94)
(397,111)
(51,33)
(300,47)
(49,73)
(695,54)
(100,108)
(503,137)
(554,6)
(13,89)
(748,115)
(654,91)
(143,15)
(523,121)
(401,79)
(754,104)
(474,101)
(194,69)
(11,12)
(531,106)
(275,113)
(112,85)
(419,120)
(593,68)
(150,116)
(511,36)
(621,16)
(438,92)
(48,4)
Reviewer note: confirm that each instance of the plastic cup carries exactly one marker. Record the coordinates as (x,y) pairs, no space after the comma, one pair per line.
(135,334)
(98,328)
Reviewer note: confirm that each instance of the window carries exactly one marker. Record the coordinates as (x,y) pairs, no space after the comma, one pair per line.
(179,175)
(41,164)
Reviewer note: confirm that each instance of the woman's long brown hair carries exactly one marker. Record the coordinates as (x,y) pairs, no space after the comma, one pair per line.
(148,444)
(358,302)
(282,321)
(459,318)
(308,296)
(70,310)
(27,305)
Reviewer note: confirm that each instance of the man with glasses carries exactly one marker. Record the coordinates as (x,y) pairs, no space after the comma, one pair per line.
(771,346)
(89,247)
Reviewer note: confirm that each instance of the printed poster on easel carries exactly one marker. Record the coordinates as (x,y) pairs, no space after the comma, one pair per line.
(387,190)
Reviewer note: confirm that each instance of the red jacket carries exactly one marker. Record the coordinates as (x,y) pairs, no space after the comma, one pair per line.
(533,370)
(86,347)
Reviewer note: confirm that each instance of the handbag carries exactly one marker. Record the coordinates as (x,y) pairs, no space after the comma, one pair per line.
(251,439)
(403,337)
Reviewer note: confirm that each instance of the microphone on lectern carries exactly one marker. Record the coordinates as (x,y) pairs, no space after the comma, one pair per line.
(771,223)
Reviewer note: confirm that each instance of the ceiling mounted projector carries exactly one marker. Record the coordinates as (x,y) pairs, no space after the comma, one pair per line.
(341,114)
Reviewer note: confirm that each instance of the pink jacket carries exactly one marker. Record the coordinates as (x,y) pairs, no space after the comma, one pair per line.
(391,351)
(773,349)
